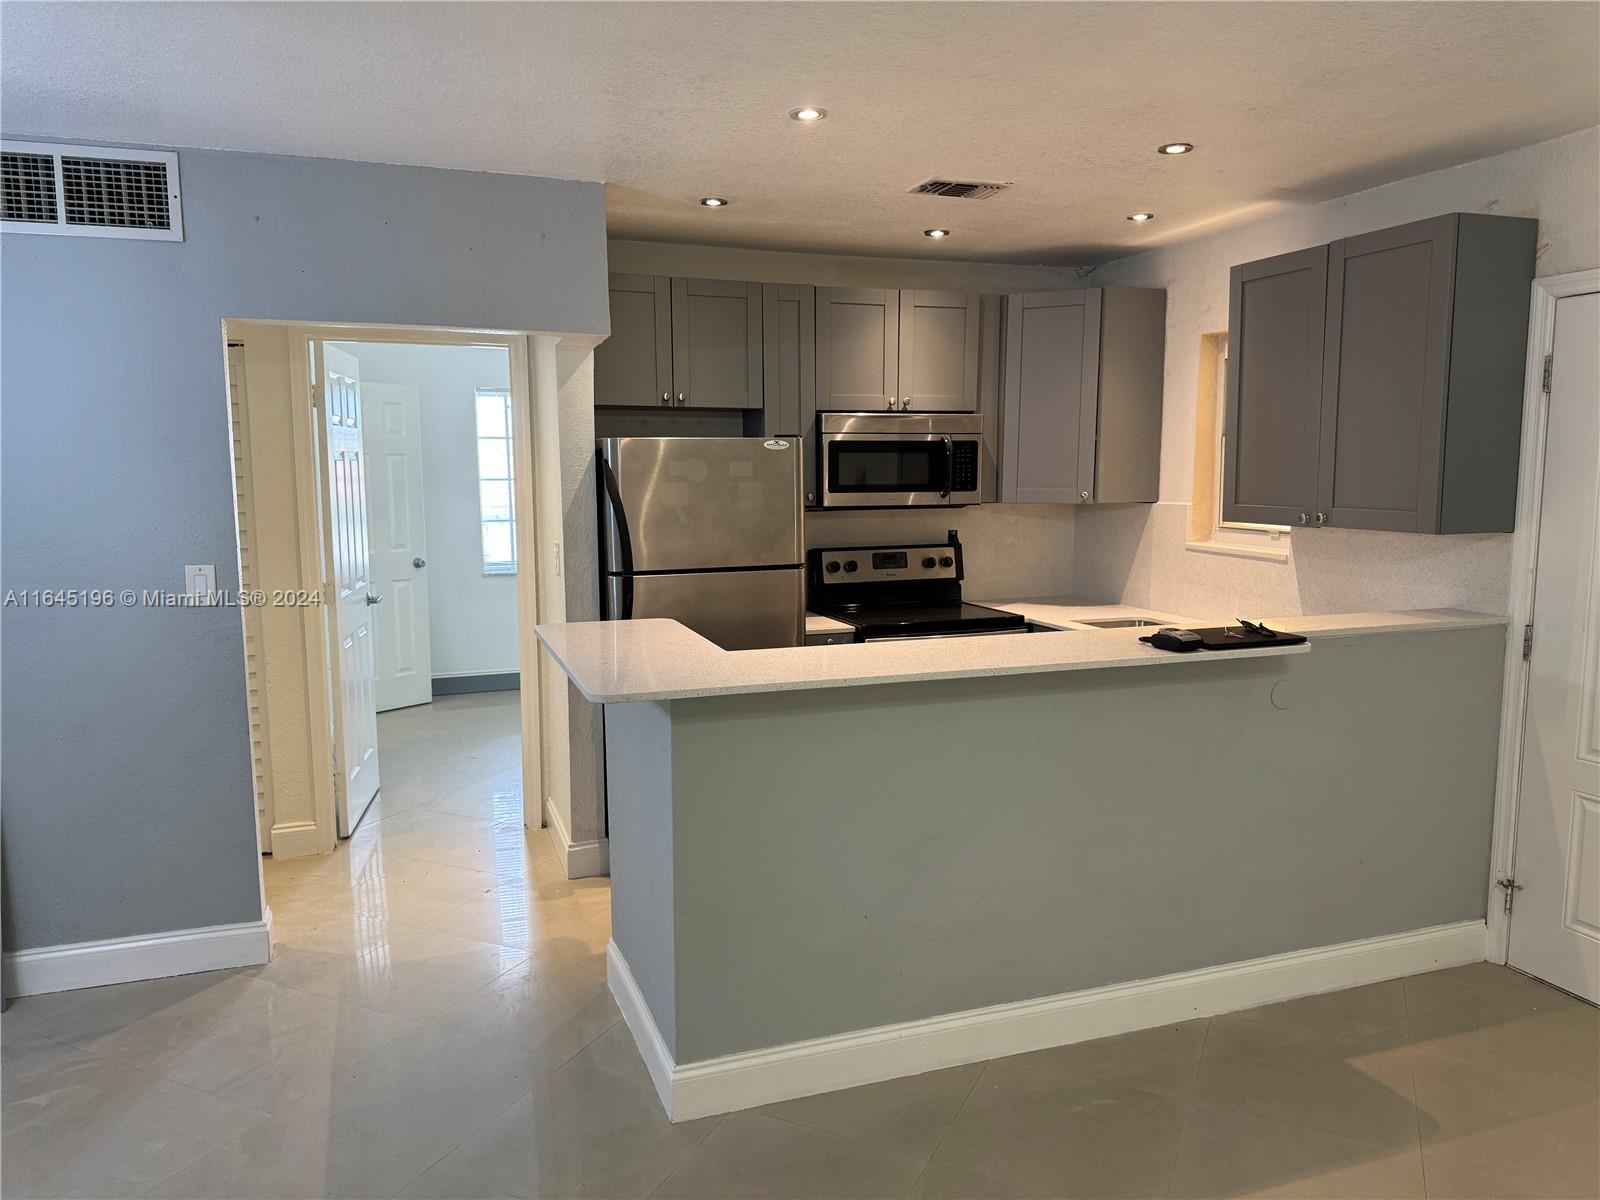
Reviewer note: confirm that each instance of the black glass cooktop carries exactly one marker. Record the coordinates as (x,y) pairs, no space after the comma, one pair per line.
(922,620)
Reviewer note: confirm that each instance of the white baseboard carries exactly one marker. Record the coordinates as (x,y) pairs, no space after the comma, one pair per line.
(582,860)
(646,1035)
(125,960)
(738,1081)
(295,839)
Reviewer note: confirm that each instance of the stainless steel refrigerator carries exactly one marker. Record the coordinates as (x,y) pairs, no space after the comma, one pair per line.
(705,531)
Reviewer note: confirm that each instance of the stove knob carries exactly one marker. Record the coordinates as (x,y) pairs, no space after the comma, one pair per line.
(833,567)
(849,566)
(947,561)
(930,562)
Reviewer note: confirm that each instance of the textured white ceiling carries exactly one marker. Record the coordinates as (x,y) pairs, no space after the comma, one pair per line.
(666,102)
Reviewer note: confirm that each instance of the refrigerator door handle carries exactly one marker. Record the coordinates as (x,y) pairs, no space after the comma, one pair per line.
(619,521)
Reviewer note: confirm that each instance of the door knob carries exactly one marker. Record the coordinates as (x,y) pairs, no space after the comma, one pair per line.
(419,562)
(666,397)
(1305,518)
(893,403)
(905,403)
(1083,495)
(682,398)
(372,599)
(1322,518)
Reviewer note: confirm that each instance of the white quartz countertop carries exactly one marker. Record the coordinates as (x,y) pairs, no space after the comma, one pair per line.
(614,662)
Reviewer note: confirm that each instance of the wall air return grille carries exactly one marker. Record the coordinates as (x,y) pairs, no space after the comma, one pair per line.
(958,189)
(27,187)
(107,191)
(91,191)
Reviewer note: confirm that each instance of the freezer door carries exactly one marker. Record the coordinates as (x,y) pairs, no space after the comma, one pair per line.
(693,503)
(738,610)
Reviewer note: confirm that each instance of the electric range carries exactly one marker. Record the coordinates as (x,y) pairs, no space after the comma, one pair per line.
(901,592)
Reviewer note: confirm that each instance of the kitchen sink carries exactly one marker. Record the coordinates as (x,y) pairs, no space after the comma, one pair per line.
(1119,622)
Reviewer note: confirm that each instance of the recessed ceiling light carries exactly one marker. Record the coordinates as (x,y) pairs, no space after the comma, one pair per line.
(936,233)
(808,113)
(1175,148)
(713,202)
(1141,217)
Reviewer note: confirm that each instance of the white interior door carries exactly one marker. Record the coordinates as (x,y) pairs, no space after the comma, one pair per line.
(397,538)
(1555,921)
(352,662)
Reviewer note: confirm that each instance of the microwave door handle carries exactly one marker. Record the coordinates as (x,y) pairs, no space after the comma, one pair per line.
(949,467)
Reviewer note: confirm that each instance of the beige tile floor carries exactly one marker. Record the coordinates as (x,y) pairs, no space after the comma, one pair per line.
(435,1023)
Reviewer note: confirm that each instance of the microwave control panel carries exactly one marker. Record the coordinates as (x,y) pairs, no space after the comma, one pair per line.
(964,467)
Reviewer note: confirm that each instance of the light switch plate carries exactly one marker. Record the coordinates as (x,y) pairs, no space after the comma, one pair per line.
(200,582)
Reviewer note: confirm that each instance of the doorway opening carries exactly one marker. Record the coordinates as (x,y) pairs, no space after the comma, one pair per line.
(385,504)
(439,480)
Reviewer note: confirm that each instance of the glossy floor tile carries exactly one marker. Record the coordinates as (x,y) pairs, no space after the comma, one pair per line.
(435,1023)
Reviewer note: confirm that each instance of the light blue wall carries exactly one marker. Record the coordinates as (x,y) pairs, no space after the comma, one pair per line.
(127,796)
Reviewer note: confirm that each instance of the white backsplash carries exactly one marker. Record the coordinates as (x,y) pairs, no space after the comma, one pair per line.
(1137,554)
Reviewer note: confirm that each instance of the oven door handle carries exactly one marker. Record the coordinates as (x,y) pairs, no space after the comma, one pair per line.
(949,467)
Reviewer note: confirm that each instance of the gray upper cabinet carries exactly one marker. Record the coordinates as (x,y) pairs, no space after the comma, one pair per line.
(1423,375)
(789,364)
(1082,396)
(938,351)
(1273,426)
(633,367)
(858,349)
(879,349)
(789,338)
(1051,364)
(1415,337)
(716,344)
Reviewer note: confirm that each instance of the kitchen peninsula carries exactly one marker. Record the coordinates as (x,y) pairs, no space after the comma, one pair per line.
(835,864)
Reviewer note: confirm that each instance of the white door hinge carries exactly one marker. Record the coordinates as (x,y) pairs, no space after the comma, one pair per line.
(1511,888)
(1549,366)
(1527,642)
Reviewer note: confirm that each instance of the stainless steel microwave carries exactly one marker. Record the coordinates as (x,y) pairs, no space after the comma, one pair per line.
(898,460)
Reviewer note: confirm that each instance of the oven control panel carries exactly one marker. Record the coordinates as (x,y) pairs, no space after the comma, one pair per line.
(878,564)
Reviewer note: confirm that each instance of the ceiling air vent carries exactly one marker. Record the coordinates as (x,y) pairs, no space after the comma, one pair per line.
(957,189)
(90,191)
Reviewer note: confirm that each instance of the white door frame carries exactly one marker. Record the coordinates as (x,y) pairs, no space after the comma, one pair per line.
(1524,562)
(536,427)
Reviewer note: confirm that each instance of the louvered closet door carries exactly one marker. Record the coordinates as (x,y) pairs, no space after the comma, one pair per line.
(348,566)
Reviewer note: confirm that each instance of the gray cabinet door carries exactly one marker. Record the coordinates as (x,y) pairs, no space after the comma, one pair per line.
(788,357)
(1275,327)
(716,344)
(1051,379)
(858,349)
(633,367)
(789,368)
(939,351)
(1385,371)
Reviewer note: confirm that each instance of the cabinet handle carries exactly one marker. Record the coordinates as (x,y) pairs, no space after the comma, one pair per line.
(1305,518)
(666,397)
(905,403)
(1322,518)
(893,403)
(1083,495)
(681,398)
